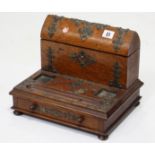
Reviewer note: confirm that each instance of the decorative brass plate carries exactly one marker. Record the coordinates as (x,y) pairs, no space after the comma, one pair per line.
(60,114)
(82,58)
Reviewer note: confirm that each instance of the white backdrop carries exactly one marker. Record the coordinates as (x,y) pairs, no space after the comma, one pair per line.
(20,57)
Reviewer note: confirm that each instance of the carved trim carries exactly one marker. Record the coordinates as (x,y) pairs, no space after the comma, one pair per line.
(85,28)
(76,87)
(50,57)
(86,31)
(116,76)
(82,58)
(76,84)
(101,26)
(60,114)
(119,40)
(53,27)
(77,22)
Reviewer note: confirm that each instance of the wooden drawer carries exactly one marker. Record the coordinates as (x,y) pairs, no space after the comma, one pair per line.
(59,114)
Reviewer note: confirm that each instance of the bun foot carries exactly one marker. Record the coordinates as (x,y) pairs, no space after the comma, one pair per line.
(137,104)
(103,137)
(17,113)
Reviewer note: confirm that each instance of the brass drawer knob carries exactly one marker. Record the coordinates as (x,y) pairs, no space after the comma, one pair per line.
(80,119)
(33,107)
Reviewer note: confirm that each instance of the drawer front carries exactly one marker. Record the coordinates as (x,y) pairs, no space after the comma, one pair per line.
(58,113)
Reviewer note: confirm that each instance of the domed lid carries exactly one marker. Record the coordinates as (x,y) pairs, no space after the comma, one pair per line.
(100,37)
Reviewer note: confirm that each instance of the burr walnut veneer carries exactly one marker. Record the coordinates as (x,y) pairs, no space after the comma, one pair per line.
(88,77)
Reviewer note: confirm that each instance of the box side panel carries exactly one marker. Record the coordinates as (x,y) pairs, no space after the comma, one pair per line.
(133,68)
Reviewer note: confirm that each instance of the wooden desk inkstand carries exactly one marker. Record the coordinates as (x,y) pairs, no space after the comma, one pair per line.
(88,77)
